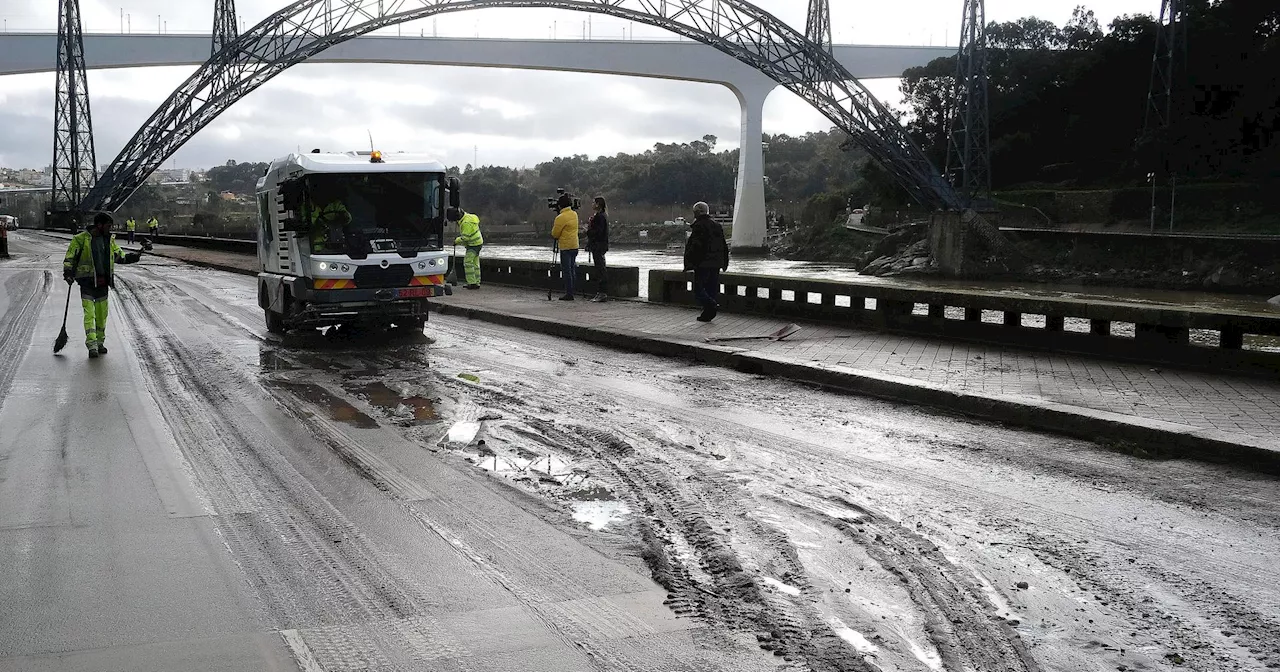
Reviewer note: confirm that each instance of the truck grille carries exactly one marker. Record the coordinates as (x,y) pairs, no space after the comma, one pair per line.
(376,277)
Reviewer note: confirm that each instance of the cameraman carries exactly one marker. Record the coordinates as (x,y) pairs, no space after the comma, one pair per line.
(598,243)
(565,231)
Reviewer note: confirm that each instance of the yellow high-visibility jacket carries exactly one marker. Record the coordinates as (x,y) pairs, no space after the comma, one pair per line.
(565,229)
(469,231)
(79,260)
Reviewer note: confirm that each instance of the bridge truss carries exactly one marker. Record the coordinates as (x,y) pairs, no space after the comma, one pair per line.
(736,27)
(74,164)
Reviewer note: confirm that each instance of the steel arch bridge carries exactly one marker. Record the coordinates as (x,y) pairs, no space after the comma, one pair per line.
(736,27)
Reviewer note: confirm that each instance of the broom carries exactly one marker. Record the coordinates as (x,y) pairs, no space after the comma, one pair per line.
(61,341)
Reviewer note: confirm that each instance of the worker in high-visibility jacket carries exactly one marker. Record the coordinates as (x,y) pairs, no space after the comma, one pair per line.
(153,226)
(468,235)
(130,226)
(91,262)
(324,217)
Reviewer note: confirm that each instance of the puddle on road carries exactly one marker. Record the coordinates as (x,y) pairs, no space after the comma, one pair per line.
(378,394)
(462,432)
(856,639)
(599,514)
(780,586)
(338,409)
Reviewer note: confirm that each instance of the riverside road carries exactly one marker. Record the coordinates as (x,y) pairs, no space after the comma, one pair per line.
(211,497)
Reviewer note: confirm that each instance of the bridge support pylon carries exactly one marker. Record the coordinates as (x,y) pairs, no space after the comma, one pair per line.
(749,216)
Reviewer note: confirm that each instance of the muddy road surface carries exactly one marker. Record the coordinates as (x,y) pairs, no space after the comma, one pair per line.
(208,496)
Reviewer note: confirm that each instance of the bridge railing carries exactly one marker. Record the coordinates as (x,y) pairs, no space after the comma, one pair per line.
(1175,335)
(624,281)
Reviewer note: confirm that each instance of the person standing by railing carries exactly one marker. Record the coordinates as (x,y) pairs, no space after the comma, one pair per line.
(469,237)
(598,245)
(565,231)
(706,254)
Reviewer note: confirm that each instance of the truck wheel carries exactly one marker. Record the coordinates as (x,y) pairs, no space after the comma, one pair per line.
(275,321)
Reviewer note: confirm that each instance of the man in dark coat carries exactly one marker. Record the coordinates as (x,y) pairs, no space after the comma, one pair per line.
(706,254)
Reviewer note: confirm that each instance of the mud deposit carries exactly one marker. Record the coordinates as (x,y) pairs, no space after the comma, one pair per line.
(611,511)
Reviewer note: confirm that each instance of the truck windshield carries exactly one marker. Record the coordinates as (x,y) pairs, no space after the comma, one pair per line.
(356,214)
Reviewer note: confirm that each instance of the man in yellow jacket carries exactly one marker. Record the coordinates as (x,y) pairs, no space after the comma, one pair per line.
(91,262)
(131,226)
(565,231)
(469,236)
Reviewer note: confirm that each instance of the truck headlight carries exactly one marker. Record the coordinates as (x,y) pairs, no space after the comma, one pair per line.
(324,266)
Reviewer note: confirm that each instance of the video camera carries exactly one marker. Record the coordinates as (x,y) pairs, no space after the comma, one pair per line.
(554,203)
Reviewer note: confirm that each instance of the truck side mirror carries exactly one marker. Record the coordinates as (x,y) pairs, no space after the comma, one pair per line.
(454,185)
(291,194)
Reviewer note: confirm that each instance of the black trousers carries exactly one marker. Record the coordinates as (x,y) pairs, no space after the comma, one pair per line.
(601,271)
(706,287)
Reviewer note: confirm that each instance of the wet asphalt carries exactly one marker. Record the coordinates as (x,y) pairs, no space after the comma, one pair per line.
(211,497)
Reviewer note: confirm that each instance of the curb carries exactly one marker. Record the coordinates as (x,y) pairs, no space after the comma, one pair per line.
(1146,437)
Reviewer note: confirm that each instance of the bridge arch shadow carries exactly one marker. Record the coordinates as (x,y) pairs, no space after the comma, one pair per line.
(734,27)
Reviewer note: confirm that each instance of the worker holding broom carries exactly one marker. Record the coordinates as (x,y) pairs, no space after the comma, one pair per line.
(91,261)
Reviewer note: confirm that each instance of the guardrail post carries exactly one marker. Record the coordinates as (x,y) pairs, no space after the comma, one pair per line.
(972,314)
(1012,319)
(1054,323)
(1156,334)
(1231,339)
(1100,327)
(937,311)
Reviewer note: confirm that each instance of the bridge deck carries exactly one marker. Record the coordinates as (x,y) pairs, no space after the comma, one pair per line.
(1244,407)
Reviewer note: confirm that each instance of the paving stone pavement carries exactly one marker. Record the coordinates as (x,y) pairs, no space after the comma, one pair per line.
(1230,403)
(1237,404)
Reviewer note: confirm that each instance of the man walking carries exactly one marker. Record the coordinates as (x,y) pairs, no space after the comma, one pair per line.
(468,235)
(91,262)
(130,225)
(706,254)
(565,231)
(598,244)
(153,227)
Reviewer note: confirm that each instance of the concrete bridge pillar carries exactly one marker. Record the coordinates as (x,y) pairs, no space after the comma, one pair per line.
(749,223)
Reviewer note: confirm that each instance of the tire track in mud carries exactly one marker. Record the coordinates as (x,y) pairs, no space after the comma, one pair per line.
(702,572)
(370,623)
(713,584)
(19,321)
(992,502)
(311,568)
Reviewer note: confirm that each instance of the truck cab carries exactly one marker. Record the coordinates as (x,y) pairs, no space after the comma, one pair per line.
(353,239)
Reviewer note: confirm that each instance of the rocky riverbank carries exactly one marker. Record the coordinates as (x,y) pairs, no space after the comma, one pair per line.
(1218,265)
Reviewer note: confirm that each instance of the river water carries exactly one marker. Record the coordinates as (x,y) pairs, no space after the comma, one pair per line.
(647,259)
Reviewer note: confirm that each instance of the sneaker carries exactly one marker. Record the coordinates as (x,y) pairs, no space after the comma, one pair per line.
(599,298)
(102,349)
(567,297)
(93,353)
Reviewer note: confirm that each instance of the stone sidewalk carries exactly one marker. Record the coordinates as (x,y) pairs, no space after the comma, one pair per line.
(1227,409)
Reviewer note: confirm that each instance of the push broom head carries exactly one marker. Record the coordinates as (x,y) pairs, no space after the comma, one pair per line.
(60,342)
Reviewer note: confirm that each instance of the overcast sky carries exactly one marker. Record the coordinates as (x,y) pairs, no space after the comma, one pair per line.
(494,116)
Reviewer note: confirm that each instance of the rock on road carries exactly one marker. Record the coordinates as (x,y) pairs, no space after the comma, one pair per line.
(208,496)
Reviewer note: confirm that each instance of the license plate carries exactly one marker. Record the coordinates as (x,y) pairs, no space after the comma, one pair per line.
(414,292)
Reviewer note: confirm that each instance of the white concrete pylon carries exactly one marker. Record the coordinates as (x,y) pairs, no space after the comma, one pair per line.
(749,216)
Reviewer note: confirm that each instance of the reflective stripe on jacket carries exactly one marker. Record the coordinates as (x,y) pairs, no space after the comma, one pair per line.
(565,230)
(469,231)
(79,259)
